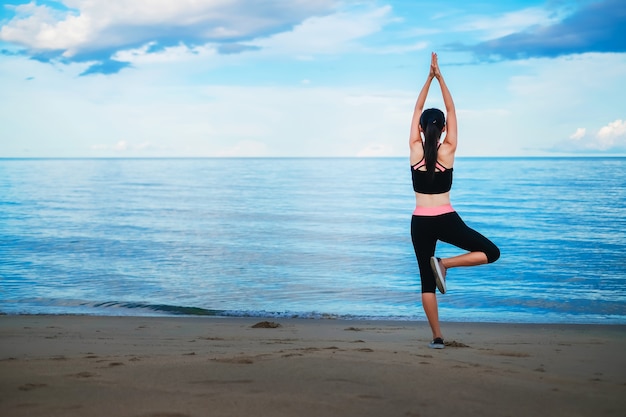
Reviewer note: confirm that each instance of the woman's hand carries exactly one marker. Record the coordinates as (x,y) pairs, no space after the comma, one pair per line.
(434,66)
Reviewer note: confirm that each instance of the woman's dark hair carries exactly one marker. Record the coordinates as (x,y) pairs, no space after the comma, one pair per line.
(432,122)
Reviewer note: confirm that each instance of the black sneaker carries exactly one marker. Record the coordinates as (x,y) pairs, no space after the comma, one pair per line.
(437,343)
(440,273)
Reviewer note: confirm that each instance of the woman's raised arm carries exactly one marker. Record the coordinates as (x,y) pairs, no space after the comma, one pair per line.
(415,136)
(451,125)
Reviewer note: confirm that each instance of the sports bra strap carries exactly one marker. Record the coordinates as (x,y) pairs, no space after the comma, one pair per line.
(423,162)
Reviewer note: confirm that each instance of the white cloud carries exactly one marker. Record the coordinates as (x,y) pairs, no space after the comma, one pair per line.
(611,135)
(578,134)
(42,28)
(613,130)
(105,25)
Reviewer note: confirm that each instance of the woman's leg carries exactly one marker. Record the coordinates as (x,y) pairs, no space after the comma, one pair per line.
(480,249)
(422,235)
(429,303)
(467,259)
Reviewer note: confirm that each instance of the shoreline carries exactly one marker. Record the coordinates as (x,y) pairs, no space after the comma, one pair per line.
(70,365)
(314,317)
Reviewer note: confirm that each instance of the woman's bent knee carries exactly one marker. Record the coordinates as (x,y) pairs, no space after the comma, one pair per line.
(493,254)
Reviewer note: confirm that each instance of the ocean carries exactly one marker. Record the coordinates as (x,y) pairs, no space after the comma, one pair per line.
(307,237)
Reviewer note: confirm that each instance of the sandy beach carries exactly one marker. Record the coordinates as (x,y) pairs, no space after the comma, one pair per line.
(184,366)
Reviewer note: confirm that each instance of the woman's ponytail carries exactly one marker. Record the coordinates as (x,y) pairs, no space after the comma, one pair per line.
(432,122)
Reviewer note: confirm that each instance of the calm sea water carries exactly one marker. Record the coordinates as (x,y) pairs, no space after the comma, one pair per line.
(307,238)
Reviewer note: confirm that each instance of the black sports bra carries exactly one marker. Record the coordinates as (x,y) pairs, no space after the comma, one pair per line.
(424,184)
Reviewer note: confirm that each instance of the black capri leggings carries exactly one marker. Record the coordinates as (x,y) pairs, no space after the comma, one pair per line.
(449,228)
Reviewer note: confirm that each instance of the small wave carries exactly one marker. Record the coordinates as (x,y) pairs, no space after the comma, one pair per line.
(137,308)
(166,309)
(162,308)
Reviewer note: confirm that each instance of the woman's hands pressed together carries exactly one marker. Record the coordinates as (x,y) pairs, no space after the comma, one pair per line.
(434,67)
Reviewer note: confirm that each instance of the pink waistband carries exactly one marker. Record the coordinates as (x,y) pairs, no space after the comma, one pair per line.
(433,211)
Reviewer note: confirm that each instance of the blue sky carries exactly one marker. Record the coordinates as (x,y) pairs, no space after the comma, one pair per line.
(177,78)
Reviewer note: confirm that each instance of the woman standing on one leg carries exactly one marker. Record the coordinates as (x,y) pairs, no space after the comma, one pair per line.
(434,218)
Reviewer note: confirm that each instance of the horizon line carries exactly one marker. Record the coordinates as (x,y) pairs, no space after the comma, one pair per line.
(307,157)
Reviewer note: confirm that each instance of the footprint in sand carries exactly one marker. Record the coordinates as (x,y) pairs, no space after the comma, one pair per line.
(83,375)
(30,387)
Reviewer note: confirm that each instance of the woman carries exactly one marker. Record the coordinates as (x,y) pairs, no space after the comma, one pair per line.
(434,218)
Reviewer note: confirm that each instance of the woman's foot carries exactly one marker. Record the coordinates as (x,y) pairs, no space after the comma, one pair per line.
(437,343)
(440,273)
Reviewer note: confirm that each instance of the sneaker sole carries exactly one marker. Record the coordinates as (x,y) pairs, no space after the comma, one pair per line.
(441,282)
